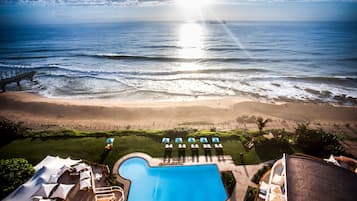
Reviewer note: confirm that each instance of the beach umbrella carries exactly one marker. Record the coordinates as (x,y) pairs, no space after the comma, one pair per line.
(178,140)
(45,190)
(215,140)
(62,191)
(203,140)
(165,140)
(191,140)
(110,140)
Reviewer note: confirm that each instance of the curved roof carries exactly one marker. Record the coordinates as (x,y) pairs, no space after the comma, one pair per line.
(312,179)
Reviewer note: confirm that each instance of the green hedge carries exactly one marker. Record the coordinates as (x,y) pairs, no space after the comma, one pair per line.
(229,182)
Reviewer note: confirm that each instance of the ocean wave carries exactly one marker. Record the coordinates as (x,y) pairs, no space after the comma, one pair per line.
(23,57)
(114,56)
(264,74)
(155,73)
(15,66)
(51,50)
(252,50)
(349,59)
(326,79)
(161,47)
(71,77)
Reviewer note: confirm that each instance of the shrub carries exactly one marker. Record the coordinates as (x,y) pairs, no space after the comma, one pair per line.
(256,178)
(317,142)
(9,131)
(272,149)
(13,173)
(250,194)
(213,129)
(112,180)
(178,132)
(229,182)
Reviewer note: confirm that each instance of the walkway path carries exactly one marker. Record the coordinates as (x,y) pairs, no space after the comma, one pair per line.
(243,175)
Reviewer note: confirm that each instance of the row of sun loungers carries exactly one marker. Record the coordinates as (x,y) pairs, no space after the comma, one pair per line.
(179,140)
(194,146)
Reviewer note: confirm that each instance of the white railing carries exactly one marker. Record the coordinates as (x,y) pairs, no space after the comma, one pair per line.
(285,178)
(280,162)
(103,193)
(106,196)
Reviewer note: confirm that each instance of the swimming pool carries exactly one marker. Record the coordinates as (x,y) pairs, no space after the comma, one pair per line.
(177,183)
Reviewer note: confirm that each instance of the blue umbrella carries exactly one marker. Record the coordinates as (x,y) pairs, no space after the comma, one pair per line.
(110,140)
(203,140)
(165,140)
(191,140)
(178,140)
(215,140)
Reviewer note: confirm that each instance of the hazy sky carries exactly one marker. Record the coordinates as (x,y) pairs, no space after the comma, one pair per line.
(77,11)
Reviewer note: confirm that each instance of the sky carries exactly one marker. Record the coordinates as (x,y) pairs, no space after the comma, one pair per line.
(86,11)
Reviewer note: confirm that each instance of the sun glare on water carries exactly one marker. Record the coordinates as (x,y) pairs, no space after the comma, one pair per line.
(191,44)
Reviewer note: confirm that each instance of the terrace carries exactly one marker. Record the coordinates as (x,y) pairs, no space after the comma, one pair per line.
(68,179)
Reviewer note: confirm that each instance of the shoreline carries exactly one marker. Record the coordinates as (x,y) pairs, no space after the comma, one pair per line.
(226,113)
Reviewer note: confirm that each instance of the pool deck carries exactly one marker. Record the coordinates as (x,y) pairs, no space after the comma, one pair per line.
(242,173)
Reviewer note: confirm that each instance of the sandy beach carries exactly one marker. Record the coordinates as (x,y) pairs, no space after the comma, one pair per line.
(226,114)
(37,112)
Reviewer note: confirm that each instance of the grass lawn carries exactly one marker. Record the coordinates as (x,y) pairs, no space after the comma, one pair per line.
(92,148)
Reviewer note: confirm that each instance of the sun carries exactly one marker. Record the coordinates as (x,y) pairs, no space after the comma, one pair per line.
(193,3)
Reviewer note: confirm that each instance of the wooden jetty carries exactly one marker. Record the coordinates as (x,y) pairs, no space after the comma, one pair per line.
(16,78)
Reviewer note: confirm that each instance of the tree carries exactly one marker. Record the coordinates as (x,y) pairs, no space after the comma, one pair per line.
(13,173)
(8,130)
(261,123)
(317,142)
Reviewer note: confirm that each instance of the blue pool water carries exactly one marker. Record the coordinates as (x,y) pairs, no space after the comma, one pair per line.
(179,183)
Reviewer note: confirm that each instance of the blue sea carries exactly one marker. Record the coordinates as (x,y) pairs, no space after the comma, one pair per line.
(179,61)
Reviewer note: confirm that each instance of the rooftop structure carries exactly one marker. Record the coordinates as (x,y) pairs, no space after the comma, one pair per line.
(296,178)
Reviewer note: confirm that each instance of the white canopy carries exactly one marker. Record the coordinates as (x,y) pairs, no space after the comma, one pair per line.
(84,175)
(85,184)
(57,162)
(43,170)
(62,191)
(63,169)
(53,178)
(44,190)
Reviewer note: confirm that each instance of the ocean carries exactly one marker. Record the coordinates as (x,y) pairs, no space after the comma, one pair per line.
(183,61)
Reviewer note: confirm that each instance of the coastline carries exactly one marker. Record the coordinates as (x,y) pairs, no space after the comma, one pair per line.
(35,111)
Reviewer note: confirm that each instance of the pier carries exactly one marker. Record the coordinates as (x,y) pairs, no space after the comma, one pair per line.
(15,77)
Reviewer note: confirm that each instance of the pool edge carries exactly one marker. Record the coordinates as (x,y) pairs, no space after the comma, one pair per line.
(152,162)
